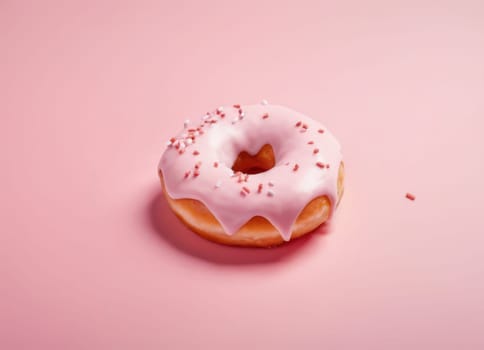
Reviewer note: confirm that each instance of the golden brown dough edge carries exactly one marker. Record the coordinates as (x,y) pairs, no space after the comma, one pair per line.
(258,231)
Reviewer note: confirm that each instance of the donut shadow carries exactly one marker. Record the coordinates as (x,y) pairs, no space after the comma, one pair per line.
(166,226)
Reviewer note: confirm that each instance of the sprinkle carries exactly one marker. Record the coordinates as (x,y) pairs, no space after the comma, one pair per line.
(246,178)
(319,164)
(298,124)
(169,144)
(220,110)
(187,174)
(242,114)
(304,126)
(185,123)
(181,151)
(236,106)
(215,164)
(189,141)
(235,120)
(265,116)
(264,102)
(316,150)
(270,193)
(271,184)
(222,115)
(218,184)
(311,143)
(172,139)
(206,116)
(197,165)
(196,173)
(410,196)
(327,166)
(259,189)
(320,131)
(246,189)
(243,194)
(296,166)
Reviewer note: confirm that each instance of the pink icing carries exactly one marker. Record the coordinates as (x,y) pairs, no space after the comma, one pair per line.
(197,164)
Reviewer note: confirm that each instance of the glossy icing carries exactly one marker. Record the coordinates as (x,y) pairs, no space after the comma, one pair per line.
(197,164)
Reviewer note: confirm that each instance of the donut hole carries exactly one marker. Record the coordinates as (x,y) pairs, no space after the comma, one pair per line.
(257,163)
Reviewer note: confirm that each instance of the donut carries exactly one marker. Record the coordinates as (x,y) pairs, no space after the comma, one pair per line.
(257,175)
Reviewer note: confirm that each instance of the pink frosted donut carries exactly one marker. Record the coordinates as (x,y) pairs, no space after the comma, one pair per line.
(255,175)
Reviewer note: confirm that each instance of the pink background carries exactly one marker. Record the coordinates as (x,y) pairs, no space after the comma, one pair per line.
(90,258)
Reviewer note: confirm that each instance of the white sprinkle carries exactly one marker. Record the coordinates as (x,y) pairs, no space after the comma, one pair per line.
(270,183)
(196,133)
(220,109)
(169,144)
(182,145)
(270,193)
(242,115)
(205,117)
(235,120)
(185,124)
(188,141)
(218,184)
(264,102)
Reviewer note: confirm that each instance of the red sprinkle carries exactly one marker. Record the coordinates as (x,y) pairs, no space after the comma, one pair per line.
(304,126)
(410,196)
(172,139)
(196,173)
(265,116)
(197,166)
(319,164)
(237,106)
(246,189)
(327,166)
(320,131)
(222,115)
(311,143)
(298,124)
(295,167)
(259,189)
(242,193)
(215,165)
(187,174)
(316,150)
(196,153)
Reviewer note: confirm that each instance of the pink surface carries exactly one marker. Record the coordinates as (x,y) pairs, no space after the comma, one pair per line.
(90,258)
